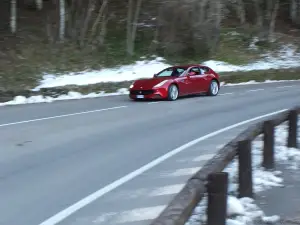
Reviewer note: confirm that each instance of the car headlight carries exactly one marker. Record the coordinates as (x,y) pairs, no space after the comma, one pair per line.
(131,86)
(161,83)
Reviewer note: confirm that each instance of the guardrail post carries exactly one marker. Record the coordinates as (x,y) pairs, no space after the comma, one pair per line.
(245,169)
(217,188)
(293,125)
(268,150)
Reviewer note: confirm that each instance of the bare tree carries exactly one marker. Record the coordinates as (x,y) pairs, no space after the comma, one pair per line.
(259,13)
(62,12)
(39,4)
(103,29)
(203,4)
(13,16)
(91,8)
(215,18)
(241,11)
(132,23)
(295,11)
(273,19)
(99,16)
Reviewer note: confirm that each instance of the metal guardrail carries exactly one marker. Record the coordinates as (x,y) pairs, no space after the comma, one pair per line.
(211,180)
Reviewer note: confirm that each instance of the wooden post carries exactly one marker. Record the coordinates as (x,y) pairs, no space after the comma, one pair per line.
(217,188)
(245,169)
(293,126)
(268,151)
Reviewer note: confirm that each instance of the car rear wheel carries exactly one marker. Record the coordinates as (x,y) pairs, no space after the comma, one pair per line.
(173,92)
(213,88)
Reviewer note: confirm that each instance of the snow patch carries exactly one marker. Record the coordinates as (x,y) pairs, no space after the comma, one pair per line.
(122,91)
(70,96)
(140,69)
(255,82)
(287,57)
(244,211)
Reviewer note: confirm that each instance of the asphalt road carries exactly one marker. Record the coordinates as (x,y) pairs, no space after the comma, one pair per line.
(54,154)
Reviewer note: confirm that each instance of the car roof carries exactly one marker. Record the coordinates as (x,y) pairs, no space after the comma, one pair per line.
(185,66)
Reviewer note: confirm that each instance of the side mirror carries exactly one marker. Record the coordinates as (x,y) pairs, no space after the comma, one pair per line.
(155,75)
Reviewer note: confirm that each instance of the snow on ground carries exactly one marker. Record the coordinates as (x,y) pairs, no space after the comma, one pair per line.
(244,211)
(72,95)
(286,58)
(140,69)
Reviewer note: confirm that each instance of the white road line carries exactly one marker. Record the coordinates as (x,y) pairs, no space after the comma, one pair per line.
(55,219)
(134,215)
(104,217)
(149,192)
(227,93)
(152,103)
(61,116)
(181,172)
(285,86)
(254,90)
(203,157)
(166,190)
(140,214)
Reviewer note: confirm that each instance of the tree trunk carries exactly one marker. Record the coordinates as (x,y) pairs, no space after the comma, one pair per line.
(13,16)
(129,28)
(49,30)
(135,22)
(62,20)
(202,15)
(39,4)
(98,19)
(132,25)
(273,20)
(103,29)
(85,26)
(295,11)
(259,13)
(217,25)
(268,12)
(241,11)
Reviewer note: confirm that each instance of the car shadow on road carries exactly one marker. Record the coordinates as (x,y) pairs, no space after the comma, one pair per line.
(165,100)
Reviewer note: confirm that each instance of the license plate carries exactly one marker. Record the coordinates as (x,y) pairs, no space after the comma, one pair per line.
(140,96)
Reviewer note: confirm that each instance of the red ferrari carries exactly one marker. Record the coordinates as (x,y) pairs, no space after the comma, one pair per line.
(177,81)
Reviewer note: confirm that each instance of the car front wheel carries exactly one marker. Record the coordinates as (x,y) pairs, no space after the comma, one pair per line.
(213,88)
(173,92)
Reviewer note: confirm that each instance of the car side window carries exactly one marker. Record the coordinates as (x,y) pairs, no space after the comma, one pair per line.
(196,70)
(204,69)
(165,73)
(180,70)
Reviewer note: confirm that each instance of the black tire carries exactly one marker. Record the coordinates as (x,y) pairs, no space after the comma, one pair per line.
(173,92)
(214,88)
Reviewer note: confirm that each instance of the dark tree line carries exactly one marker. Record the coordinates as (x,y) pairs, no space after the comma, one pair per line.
(174,25)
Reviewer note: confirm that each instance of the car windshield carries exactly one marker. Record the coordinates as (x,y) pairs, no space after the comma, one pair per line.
(171,72)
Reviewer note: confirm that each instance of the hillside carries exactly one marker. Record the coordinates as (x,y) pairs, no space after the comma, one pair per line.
(60,36)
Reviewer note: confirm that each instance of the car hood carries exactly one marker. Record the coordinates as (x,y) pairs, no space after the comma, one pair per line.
(149,83)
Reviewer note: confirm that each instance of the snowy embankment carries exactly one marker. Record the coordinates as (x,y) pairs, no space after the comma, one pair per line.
(287,57)
(244,211)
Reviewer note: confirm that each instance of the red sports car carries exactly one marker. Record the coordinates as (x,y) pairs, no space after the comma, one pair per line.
(177,81)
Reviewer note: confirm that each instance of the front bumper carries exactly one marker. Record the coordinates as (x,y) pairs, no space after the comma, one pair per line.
(155,93)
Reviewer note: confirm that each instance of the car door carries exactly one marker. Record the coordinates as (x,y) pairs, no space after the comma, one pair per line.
(184,83)
(205,78)
(195,77)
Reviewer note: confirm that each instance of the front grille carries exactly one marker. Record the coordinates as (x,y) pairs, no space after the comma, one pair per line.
(141,92)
